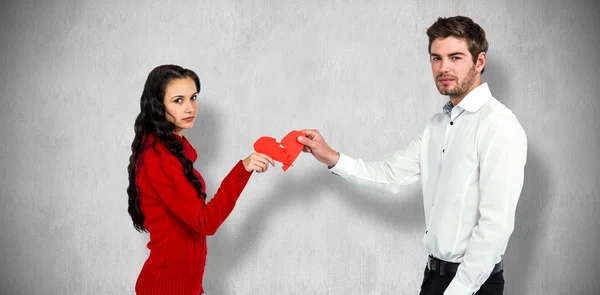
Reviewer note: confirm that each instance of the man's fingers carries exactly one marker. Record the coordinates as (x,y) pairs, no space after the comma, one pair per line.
(310,133)
(307,141)
(307,131)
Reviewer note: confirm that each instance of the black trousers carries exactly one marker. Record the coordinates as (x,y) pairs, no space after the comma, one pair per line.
(435,284)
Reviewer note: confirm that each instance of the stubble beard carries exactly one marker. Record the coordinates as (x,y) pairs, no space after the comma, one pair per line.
(462,87)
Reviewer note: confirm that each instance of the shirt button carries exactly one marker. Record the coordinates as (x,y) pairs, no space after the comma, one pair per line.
(443,150)
(426,231)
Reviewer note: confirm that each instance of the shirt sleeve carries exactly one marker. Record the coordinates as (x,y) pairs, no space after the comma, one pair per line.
(403,168)
(166,177)
(502,150)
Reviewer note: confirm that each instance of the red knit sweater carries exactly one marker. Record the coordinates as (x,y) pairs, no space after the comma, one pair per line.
(177,220)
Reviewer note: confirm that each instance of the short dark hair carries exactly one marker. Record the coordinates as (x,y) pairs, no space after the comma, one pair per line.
(460,27)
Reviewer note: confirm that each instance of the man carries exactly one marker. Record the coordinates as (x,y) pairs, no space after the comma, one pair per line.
(470,160)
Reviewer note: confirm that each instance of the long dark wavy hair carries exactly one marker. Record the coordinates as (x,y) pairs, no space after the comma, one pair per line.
(152,119)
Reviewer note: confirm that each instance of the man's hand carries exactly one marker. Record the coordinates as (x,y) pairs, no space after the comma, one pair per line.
(315,144)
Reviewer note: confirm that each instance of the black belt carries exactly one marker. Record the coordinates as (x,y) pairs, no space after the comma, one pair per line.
(444,267)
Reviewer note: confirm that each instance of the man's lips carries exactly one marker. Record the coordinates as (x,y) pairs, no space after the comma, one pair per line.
(445,80)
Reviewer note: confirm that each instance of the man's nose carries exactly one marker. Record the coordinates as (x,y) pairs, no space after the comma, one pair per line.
(444,65)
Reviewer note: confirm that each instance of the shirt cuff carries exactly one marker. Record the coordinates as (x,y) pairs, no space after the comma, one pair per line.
(345,167)
(456,288)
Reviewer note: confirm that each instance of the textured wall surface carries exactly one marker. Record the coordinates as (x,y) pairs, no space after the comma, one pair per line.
(72,74)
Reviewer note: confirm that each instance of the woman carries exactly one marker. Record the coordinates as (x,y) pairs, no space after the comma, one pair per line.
(167,195)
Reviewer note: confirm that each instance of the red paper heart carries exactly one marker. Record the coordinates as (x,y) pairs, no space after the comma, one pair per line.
(285,152)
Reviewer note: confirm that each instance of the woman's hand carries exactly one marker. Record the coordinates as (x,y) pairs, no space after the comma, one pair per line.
(257,162)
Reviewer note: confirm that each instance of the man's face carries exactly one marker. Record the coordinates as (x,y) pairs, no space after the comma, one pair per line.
(454,71)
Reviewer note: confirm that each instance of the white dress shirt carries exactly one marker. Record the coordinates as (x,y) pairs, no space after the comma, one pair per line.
(471,165)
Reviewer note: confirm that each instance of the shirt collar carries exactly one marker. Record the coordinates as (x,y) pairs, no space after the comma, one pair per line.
(448,107)
(473,101)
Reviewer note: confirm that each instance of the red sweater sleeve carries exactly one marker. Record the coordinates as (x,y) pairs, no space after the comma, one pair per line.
(164,174)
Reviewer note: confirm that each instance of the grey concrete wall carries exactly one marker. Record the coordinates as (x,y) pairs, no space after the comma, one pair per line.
(72,74)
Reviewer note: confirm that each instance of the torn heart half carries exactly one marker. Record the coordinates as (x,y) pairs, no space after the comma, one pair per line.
(285,151)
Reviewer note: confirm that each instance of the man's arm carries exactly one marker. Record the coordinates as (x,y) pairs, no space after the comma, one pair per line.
(502,151)
(388,176)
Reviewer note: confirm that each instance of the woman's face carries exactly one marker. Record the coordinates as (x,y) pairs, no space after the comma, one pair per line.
(181,103)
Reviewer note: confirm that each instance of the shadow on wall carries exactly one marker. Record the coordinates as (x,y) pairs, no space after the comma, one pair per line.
(205,136)
(405,212)
(230,250)
(521,263)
